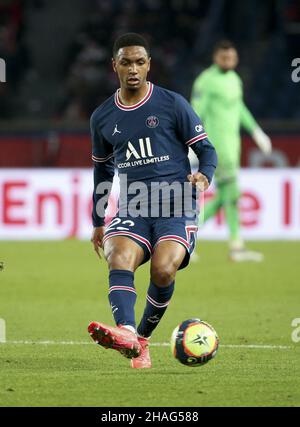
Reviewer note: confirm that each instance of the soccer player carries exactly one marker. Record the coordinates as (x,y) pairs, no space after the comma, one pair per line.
(145,132)
(217,96)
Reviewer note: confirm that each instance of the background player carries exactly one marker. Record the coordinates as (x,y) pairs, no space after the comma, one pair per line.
(147,130)
(217,97)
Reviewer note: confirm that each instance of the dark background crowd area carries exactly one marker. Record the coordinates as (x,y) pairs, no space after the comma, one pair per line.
(58,53)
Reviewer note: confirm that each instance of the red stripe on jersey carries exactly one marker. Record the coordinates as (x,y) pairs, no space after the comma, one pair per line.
(189,229)
(196,139)
(174,238)
(135,106)
(102,159)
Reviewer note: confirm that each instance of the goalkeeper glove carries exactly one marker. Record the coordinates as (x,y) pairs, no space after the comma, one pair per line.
(262,141)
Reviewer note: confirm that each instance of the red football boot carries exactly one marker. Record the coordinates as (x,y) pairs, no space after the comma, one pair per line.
(118,338)
(143,360)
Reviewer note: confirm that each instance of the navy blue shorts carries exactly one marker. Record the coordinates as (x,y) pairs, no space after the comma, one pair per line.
(148,232)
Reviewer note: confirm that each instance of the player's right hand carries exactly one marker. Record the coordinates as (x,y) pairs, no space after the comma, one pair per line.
(97,239)
(262,141)
(199,180)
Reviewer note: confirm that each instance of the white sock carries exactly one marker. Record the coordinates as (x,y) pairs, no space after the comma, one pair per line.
(130,328)
(140,336)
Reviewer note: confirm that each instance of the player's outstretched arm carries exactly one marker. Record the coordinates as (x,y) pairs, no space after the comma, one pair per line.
(250,125)
(262,140)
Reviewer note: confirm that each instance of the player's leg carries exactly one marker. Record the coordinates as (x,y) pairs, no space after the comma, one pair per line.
(124,251)
(126,246)
(230,195)
(167,258)
(123,256)
(226,171)
(174,241)
(212,207)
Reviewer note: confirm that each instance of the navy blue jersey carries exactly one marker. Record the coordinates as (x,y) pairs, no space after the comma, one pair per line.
(148,141)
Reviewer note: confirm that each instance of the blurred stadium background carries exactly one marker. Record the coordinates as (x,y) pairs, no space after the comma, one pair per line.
(58,70)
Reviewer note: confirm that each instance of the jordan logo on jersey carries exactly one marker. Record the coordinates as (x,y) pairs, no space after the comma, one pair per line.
(116,130)
(144,151)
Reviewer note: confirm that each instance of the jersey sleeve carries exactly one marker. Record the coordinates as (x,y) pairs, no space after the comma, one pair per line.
(102,156)
(192,133)
(102,151)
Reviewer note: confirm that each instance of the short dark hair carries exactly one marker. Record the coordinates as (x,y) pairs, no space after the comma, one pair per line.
(224,45)
(130,39)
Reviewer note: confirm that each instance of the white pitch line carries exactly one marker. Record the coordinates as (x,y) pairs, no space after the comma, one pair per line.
(258,346)
(165,344)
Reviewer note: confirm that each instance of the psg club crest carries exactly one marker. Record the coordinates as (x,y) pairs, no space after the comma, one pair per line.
(152,122)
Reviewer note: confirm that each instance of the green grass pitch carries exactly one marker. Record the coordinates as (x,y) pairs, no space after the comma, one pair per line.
(50,291)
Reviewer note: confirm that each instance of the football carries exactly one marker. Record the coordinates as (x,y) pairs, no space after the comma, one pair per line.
(194,342)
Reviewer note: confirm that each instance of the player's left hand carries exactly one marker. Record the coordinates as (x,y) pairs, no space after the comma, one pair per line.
(199,181)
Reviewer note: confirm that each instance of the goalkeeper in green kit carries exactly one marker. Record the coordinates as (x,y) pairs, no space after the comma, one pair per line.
(217,97)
